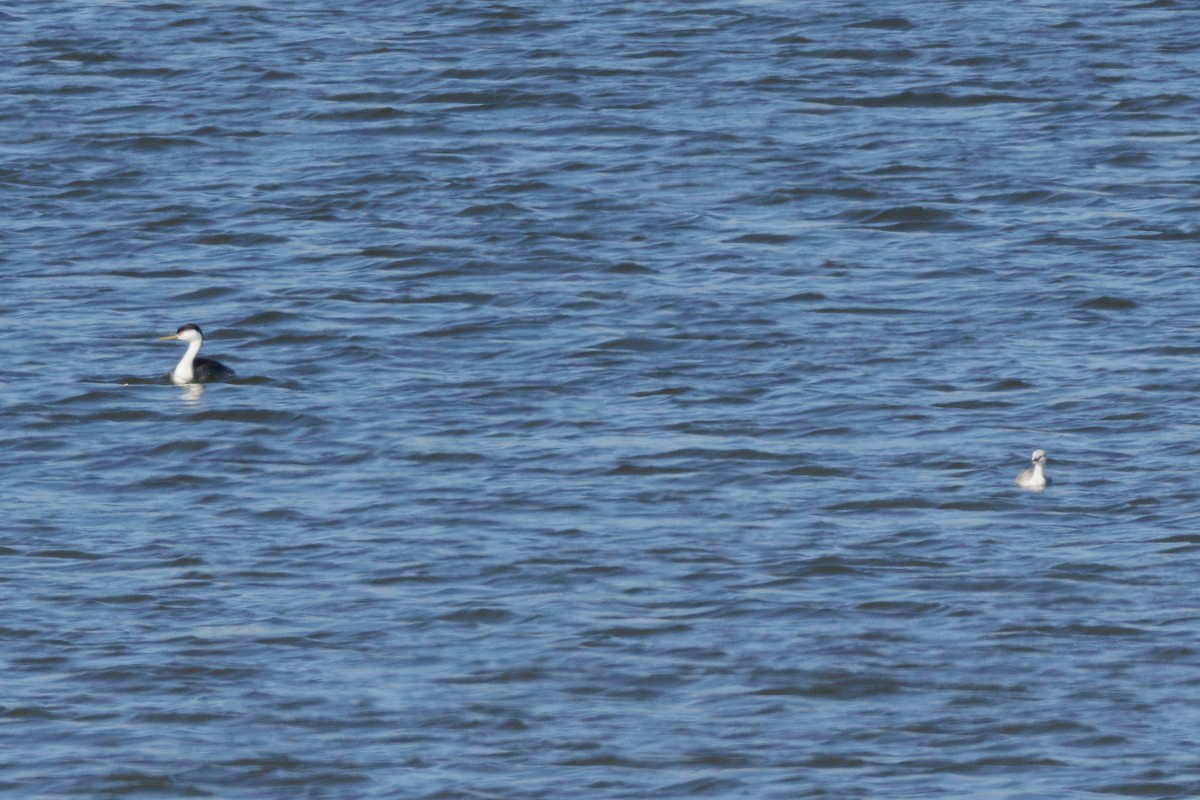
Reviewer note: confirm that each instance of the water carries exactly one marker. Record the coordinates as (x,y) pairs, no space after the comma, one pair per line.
(629,399)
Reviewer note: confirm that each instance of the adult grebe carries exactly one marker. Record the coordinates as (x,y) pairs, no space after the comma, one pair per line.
(191,369)
(1035,476)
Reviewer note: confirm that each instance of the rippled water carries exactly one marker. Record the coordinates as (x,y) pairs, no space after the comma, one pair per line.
(628,399)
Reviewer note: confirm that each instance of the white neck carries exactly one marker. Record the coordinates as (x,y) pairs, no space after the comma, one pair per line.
(183,370)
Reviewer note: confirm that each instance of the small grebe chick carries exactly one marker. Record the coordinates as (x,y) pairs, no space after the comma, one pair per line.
(191,368)
(1035,476)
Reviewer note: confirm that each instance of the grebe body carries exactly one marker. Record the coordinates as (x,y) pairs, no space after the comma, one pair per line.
(1035,476)
(191,368)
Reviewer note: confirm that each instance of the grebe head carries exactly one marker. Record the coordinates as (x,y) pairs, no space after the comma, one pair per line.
(186,333)
(1038,457)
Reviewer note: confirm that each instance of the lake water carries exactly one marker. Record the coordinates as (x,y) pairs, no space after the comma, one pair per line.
(629,397)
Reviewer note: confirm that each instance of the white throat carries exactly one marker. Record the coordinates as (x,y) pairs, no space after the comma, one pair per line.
(184,373)
(1034,478)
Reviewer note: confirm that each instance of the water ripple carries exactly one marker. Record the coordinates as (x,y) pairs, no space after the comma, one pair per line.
(629,398)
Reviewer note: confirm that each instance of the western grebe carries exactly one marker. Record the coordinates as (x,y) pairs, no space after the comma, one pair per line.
(1035,476)
(190,368)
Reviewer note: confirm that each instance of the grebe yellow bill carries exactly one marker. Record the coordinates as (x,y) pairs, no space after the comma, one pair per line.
(191,368)
(1035,476)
